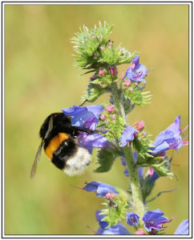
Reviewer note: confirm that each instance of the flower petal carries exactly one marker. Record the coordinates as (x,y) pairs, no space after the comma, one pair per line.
(100,188)
(132,219)
(127,135)
(90,141)
(183,228)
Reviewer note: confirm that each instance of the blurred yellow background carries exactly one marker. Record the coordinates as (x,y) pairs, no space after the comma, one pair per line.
(40,79)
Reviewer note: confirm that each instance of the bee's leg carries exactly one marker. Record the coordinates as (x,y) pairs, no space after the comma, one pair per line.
(89,131)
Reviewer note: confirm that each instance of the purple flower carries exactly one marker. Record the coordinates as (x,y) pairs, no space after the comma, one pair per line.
(90,141)
(117,229)
(169,139)
(153,176)
(183,228)
(99,217)
(101,189)
(136,72)
(127,135)
(132,219)
(87,117)
(153,220)
(126,172)
(123,161)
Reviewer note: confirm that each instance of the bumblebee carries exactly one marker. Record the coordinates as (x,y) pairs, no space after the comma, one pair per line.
(58,138)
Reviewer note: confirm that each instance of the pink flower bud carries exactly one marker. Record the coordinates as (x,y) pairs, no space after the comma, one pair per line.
(110,43)
(93,78)
(143,134)
(101,72)
(113,71)
(131,89)
(110,195)
(150,172)
(127,83)
(113,116)
(139,125)
(102,47)
(110,108)
(102,117)
(136,84)
(140,232)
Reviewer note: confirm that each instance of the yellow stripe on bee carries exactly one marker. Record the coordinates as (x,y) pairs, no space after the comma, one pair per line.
(54,144)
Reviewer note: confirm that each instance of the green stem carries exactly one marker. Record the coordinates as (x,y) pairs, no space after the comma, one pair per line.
(117,100)
(132,168)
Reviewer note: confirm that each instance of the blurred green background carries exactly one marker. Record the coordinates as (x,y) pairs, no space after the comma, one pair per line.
(40,78)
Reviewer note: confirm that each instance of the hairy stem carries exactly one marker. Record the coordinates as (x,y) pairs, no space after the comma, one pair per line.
(132,168)
(117,100)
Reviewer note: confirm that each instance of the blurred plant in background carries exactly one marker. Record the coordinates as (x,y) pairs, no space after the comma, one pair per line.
(96,53)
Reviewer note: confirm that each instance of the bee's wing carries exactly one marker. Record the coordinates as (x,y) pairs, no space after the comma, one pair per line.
(50,127)
(34,166)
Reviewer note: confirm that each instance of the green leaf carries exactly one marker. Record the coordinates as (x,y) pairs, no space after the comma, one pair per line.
(115,211)
(136,94)
(142,144)
(124,56)
(93,92)
(106,158)
(163,168)
(87,44)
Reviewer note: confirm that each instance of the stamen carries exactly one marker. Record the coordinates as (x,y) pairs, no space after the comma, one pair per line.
(185,143)
(95,232)
(122,75)
(140,74)
(77,187)
(172,145)
(184,128)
